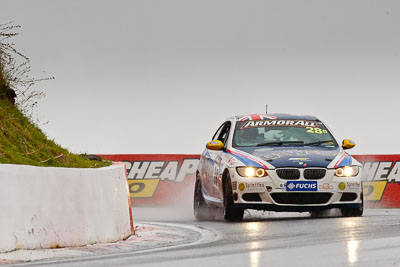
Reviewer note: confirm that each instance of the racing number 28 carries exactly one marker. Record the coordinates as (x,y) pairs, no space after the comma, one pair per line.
(316,130)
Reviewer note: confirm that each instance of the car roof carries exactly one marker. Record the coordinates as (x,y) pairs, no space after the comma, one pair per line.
(274,116)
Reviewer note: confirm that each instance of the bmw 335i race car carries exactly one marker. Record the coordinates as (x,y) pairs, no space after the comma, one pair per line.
(276,162)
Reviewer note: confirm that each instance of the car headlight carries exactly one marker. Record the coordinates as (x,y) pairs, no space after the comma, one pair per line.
(251,172)
(347,171)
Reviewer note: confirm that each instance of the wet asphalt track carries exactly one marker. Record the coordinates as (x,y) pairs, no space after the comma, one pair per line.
(279,239)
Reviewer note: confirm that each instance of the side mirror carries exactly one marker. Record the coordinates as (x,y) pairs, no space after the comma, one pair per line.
(215,145)
(347,144)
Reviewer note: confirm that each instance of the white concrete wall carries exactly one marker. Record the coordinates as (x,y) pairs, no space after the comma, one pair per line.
(56,207)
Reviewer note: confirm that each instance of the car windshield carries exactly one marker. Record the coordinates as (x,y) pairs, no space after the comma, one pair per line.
(282,133)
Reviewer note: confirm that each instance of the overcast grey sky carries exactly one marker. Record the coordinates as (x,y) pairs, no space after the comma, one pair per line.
(161,76)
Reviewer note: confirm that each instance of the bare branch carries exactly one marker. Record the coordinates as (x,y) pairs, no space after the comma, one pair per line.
(14,73)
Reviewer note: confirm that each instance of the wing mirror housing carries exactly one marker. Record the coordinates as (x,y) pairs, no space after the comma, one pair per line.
(348,143)
(215,145)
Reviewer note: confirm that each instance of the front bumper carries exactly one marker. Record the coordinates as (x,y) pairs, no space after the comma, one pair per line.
(276,194)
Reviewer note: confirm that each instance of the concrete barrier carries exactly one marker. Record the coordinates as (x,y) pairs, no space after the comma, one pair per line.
(57,207)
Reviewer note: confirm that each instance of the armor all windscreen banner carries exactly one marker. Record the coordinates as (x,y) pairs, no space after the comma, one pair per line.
(159,180)
(162,180)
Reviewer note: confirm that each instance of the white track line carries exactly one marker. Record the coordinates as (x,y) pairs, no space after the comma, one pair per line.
(207,236)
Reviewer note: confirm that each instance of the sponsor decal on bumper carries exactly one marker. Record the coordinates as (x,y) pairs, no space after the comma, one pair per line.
(254,186)
(301,186)
(341,186)
(353,185)
(234,185)
(325,187)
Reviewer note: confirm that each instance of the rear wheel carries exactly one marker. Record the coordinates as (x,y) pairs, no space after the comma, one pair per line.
(202,211)
(231,213)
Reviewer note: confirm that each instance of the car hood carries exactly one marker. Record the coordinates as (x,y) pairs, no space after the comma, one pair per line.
(298,157)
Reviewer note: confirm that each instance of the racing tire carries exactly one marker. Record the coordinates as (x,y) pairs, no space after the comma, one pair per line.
(354,210)
(201,210)
(231,213)
(319,213)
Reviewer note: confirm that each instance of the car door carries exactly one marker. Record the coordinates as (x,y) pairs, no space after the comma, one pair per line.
(208,158)
(219,161)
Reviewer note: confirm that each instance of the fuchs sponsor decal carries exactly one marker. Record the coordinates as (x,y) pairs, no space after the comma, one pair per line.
(293,123)
(254,186)
(301,186)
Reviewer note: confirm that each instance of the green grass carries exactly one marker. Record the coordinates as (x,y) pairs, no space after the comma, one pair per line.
(21,142)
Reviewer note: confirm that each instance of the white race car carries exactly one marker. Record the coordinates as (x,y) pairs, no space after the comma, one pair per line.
(276,162)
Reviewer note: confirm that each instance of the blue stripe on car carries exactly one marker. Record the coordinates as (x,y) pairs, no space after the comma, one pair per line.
(207,154)
(245,161)
(348,160)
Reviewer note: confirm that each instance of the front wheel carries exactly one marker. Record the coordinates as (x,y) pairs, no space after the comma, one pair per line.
(319,213)
(354,210)
(231,213)
(202,211)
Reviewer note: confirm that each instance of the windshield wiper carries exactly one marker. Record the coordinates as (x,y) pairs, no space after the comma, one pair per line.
(279,143)
(319,142)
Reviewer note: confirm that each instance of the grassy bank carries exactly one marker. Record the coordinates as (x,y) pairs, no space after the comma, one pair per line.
(21,142)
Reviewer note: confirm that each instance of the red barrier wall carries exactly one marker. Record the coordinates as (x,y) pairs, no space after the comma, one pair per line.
(165,179)
(159,179)
(381,178)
